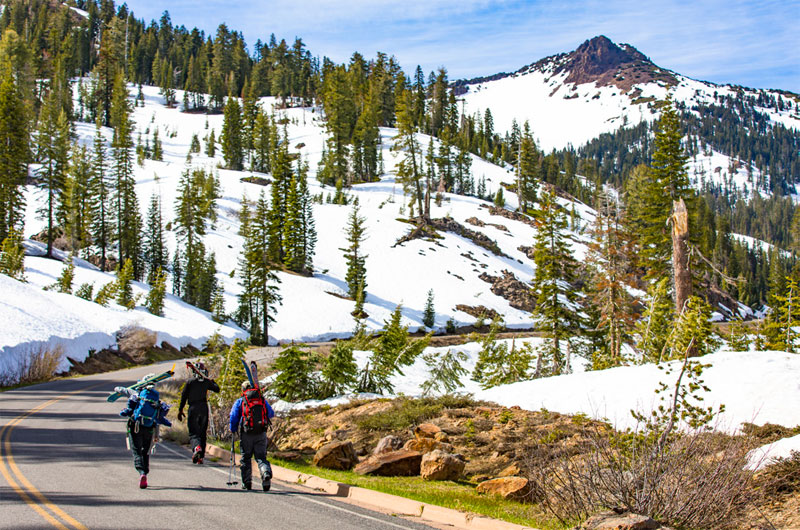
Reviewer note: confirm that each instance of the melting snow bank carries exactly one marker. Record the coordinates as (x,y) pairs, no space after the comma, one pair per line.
(758,387)
(768,454)
(32,317)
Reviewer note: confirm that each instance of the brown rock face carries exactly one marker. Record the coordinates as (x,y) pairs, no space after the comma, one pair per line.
(336,455)
(510,471)
(426,430)
(421,445)
(518,488)
(615,521)
(438,465)
(519,294)
(388,444)
(400,463)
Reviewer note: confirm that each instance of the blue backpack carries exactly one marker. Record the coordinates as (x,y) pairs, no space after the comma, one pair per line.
(146,413)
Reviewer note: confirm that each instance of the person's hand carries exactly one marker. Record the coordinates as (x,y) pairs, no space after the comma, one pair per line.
(180,415)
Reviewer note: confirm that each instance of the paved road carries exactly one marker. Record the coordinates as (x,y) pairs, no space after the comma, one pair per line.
(64,464)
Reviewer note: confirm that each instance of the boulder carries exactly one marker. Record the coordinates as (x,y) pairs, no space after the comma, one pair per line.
(388,444)
(336,455)
(518,488)
(620,521)
(421,445)
(400,463)
(426,430)
(510,471)
(441,437)
(438,465)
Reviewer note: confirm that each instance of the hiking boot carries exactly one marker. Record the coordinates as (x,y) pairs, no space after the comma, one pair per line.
(266,484)
(200,460)
(143,481)
(246,486)
(198,451)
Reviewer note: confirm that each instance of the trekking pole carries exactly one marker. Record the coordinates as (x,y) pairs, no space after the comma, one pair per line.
(232,482)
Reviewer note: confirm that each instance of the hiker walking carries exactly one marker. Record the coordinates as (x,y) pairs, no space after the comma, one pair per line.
(250,417)
(195,392)
(145,412)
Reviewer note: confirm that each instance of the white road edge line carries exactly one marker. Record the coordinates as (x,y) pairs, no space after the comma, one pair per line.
(306,498)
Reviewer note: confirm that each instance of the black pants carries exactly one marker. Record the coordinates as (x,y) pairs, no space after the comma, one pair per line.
(197,422)
(140,439)
(254,446)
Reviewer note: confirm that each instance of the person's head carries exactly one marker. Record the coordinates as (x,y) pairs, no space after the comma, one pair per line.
(145,378)
(201,367)
(245,385)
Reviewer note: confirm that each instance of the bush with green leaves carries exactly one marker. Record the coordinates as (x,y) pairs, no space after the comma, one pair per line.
(296,379)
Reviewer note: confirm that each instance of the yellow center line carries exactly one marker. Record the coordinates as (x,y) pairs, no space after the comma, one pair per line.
(29,488)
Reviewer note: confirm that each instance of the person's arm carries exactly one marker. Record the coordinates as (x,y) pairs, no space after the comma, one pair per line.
(270,412)
(184,397)
(236,415)
(162,415)
(127,412)
(212,385)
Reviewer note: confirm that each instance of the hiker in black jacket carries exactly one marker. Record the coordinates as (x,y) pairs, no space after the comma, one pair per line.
(195,392)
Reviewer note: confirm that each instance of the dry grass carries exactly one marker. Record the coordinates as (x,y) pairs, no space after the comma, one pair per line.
(136,342)
(39,364)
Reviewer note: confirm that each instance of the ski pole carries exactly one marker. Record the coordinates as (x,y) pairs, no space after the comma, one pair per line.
(232,482)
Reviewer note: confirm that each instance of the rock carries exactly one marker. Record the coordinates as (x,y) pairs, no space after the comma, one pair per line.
(336,455)
(426,430)
(438,465)
(441,437)
(511,471)
(509,287)
(615,521)
(400,463)
(289,456)
(421,445)
(518,488)
(388,444)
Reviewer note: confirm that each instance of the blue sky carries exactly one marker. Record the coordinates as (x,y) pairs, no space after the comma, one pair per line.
(748,42)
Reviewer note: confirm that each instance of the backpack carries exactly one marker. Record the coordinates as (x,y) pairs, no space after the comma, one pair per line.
(146,413)
(254,412)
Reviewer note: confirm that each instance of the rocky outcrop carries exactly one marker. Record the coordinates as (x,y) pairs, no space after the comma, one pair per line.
(448,224)
(508,214)
(621,521)
(517,488)
(336,455)
(387,444)
(426,430)
(478,311)
(400,463)
(519,294)
(439,465)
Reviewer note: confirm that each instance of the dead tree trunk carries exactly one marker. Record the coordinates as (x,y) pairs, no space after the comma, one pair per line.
(680,255)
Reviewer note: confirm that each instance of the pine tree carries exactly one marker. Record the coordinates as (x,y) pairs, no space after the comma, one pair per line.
(158,150)
(307,223)
(194,146)
(129,221)
(656,323)
(295,380)
(12,256)
(54,143)
(527,169)
(231,374)
(218,305)
(356,276)
(394,348)
(293,258)
(784,319)
(693,330)
(737,338)
(156,255)
(102,226)
(124,288)
(429,314)
(64,282)
(497,365)
(445,371)
(14,150)
(158,290)
(211,145)
(339,374)
(556,311)
(409,173)
(499,200)
(231,137)
(80,199)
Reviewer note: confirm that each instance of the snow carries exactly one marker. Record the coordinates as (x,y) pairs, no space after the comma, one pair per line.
(768,454)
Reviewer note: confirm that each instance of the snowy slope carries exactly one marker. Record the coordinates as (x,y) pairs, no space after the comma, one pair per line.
(311,310)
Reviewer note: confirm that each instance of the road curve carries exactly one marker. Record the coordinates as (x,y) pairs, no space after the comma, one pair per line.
(64,464)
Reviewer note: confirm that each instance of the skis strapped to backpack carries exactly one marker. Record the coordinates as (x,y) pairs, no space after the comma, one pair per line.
(247,371)
(254,373)
(141,384)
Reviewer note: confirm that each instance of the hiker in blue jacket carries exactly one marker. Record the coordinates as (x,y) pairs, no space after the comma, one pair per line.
(145,412)
(250,417)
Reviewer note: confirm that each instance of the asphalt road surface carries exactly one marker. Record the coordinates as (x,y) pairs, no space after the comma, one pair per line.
(64,464)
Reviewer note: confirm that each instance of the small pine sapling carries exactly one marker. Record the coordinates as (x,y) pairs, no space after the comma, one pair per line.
(693,331)
(106,293)
(499,199)
(429,315)
(737,338)
(155,297)
(340,371)
(218,306)
(231,373)
(497,365)
(64,282)
(445,372)
(125,286)
(296,380)
(85,291)
(194,147)
(12,256)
